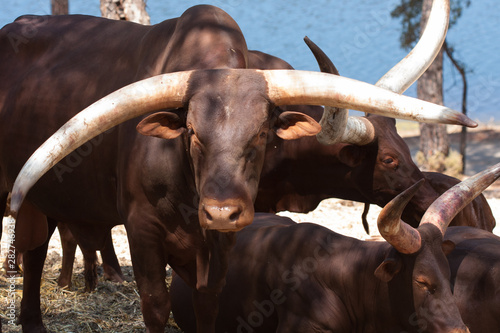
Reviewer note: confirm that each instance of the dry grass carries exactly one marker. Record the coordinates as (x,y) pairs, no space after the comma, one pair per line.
(112,307)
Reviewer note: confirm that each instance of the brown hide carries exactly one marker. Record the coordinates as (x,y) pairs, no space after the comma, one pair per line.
(324,281)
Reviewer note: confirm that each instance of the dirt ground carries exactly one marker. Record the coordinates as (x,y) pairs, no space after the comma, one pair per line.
(115,308)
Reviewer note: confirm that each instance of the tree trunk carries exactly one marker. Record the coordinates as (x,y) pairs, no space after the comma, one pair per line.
(461,69)
(129,10)
(59,7)
(433,137)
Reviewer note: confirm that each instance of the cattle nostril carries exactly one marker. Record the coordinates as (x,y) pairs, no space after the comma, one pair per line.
(216,213)
(234,216)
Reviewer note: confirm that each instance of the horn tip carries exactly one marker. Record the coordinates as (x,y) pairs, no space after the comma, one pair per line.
(466,121)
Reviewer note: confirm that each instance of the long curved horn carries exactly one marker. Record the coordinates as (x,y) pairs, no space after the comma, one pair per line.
(155,93)
(285,87)
(409,69)
(336,125)
(296,87)
(397,79)
(399,234)
(446,207)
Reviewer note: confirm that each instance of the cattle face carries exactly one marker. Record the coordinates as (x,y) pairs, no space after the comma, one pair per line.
(227,156)
(298,174)
(384,168)
(422,277)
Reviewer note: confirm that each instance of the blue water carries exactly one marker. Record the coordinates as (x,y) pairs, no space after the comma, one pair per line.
(360,37)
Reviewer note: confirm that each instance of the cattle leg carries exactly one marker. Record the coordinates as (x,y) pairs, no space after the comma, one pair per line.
(211,266)
(206,308)
(90,269)
(68,244)
(110,264)
(149,265)
(31,316)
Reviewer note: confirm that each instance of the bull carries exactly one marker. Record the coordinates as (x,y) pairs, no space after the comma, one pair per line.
(181,180)
(289,277)
(371,168)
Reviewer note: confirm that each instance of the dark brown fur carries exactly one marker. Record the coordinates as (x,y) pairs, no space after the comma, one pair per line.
(288,277)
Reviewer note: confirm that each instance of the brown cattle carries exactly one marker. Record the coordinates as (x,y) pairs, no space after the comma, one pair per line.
(299,174)
(181,180)
(288,277)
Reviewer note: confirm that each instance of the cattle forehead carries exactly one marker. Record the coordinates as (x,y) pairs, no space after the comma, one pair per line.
(223,98)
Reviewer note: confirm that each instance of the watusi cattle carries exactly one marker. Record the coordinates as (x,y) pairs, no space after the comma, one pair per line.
(289,277)
(368,162)
(294,192)
(475,279)
(182,180)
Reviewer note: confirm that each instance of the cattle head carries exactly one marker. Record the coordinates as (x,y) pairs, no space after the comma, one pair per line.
(419,254)
(228,115)
(380,159)
(384,168)
(225,126)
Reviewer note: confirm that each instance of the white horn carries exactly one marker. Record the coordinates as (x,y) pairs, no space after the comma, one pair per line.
(399,78)
(155,93)
(409,69)
(295,87)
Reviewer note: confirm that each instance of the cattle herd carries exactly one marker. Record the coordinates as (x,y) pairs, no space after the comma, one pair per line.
(193,142)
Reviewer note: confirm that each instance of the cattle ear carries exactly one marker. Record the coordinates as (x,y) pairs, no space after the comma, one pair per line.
(350,155)
(165,125)
(448,247)
(388,269)
(293,125)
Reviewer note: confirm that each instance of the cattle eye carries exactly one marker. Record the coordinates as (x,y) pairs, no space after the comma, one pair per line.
(391,163)
(190,131)
(429,288)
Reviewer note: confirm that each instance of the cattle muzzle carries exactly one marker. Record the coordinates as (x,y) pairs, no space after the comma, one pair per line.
(225,216)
